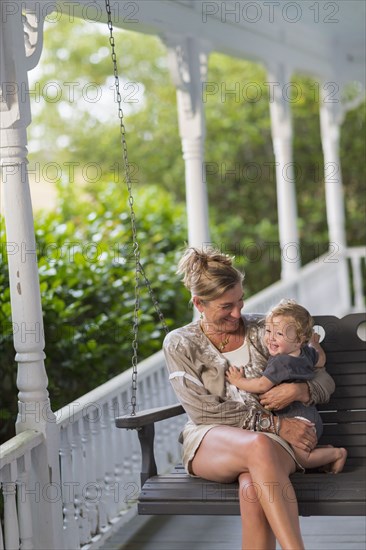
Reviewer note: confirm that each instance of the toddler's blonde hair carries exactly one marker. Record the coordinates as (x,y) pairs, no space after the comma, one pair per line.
(303,321)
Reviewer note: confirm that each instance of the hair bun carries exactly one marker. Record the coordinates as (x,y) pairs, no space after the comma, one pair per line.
(208,272)
(199,260)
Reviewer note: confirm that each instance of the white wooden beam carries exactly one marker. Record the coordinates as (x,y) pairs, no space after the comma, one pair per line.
(303,33)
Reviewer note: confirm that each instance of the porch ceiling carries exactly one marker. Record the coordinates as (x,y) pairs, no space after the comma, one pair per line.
(325,39)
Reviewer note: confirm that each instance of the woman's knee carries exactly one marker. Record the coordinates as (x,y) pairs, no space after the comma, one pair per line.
(261,448)
(266,452)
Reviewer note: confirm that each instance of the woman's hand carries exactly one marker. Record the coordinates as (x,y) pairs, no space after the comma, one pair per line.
(282,395)
(299,433)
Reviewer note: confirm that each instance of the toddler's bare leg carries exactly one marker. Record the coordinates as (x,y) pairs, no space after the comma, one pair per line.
(335,457)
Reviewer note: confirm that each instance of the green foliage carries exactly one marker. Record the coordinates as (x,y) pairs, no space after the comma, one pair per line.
(87,280)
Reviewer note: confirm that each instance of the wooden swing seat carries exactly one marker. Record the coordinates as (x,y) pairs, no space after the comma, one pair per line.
(318,494)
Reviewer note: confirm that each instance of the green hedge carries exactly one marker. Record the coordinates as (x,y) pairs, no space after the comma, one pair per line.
(86,269)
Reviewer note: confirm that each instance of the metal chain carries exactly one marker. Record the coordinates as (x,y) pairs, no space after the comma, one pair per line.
(139,271)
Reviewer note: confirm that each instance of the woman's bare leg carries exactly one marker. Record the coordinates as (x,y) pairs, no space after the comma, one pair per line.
(226,452)
(256,531)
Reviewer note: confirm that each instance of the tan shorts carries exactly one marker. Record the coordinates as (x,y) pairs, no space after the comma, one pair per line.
(193,435)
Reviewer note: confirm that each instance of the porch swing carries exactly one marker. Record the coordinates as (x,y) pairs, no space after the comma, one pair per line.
(344,417)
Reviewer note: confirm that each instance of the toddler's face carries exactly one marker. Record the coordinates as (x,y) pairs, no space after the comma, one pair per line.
(280,336)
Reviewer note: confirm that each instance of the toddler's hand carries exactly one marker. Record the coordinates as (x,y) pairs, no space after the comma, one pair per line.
(233,374)
(315,339)
(314,342)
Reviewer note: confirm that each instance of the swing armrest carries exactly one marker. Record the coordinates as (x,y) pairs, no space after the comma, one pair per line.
(150,416)
(144,423)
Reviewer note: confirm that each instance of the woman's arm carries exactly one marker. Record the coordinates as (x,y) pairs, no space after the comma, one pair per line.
(320,387)
(284,394)
(317,390)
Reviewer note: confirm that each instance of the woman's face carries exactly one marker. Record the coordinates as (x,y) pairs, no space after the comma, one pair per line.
(224,313)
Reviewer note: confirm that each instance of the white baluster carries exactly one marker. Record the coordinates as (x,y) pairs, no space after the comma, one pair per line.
(163,385)
(359,299)
(143,398)
(115,447)
(79,475)
(88,490)
(97,454)
(70,523)
(155,390)
(108,462)
(24,507)
(11,524)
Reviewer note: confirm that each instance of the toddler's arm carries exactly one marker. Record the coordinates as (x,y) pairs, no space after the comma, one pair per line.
(255,385)
(314,343)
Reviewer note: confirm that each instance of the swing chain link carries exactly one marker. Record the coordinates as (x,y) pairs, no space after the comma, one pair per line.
(139,270)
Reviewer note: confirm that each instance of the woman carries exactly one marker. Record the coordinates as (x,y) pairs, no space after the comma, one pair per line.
(226,439)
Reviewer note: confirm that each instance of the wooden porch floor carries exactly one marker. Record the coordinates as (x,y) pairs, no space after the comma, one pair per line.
(215,533)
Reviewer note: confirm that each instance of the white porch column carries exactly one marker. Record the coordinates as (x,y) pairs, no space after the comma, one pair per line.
(279,78)
(20,45)
(331,118)
(188,65)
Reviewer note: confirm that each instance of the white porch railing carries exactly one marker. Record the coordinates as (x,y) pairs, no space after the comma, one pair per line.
(99,463)
(332,284)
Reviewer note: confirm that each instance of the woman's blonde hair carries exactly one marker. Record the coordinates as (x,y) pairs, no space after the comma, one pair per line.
(208,273)
(303,321)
